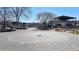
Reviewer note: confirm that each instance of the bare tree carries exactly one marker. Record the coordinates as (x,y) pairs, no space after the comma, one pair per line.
(44,17)
(20,12)
(5,15)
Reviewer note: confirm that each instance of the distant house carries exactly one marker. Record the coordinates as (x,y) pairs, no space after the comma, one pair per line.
(8,24)
(63,21)
(20,24)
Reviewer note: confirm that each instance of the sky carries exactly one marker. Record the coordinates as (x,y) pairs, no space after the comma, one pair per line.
(68,11)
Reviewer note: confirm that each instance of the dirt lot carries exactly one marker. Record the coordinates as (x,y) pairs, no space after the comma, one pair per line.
(33,40)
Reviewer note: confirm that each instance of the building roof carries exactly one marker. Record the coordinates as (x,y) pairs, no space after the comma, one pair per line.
(64,17)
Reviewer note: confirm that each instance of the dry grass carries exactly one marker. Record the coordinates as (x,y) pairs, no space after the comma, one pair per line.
(75,31)
(61,30)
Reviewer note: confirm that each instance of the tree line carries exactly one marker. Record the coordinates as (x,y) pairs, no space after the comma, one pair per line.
(13,13)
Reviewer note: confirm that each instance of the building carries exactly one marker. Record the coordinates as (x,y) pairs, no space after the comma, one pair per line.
(63,21)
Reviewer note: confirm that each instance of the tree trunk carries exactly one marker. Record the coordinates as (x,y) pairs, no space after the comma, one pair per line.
(17,20)
(4,22)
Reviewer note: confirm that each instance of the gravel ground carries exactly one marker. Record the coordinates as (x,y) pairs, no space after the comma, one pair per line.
(29,40)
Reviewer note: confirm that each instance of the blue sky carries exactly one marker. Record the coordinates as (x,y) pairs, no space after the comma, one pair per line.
(68,11)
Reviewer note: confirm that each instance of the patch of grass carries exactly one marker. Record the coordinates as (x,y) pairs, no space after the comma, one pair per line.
(75,31)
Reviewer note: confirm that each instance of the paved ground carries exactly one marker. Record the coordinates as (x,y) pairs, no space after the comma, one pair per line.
(28,40)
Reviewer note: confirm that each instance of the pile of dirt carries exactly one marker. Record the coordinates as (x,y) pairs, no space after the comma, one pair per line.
(61,29)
